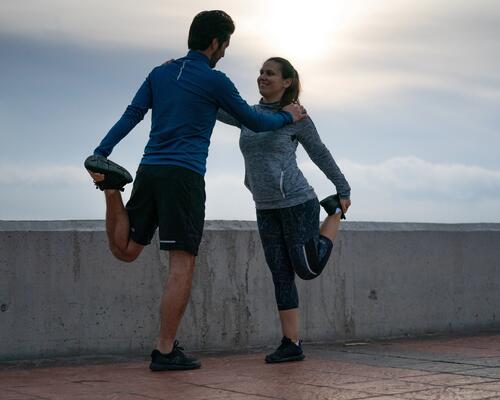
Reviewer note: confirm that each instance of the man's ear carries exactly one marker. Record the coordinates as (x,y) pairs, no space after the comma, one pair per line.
(214,45)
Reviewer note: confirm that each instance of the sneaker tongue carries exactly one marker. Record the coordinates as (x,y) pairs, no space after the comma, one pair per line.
(177,347)
(285,342)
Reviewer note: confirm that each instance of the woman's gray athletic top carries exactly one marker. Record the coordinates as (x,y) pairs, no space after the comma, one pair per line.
(271,171)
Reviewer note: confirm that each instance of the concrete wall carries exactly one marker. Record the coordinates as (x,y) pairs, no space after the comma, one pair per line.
(62,292)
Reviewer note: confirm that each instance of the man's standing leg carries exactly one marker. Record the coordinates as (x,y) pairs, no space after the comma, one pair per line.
(168,355)
(180,195)
(175,297)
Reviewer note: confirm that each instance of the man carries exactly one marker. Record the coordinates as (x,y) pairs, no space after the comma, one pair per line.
(169,189)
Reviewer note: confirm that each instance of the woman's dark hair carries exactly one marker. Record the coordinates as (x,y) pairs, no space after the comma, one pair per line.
(207,26)
(292,92)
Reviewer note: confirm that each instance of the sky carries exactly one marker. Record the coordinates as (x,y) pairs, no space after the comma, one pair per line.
(405,94)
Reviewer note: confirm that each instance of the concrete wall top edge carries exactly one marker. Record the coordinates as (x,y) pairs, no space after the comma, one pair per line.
(217,225)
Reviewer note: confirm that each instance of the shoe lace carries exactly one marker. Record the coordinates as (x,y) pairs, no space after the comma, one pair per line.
(176,346)
(284,342)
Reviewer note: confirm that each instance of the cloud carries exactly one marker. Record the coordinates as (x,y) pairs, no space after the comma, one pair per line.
(416,78)
(228,198)
(412,189)
(397,189)
(33,176)
(450,46)
(414,178)
(116,23)
(410,176)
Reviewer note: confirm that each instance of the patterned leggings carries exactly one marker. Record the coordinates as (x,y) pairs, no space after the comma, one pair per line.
(293,245)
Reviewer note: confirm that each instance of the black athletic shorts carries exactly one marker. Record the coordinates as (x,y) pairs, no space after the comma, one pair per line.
(171,198)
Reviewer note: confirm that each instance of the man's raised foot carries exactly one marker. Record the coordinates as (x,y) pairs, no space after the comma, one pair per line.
(115,176)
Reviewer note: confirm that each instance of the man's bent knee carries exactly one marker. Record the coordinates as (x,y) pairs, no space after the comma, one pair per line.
(123,256)
(129,254)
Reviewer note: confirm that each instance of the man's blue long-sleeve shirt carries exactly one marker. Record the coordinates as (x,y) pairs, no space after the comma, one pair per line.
(184,96)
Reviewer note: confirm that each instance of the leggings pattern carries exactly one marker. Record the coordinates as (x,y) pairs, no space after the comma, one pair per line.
(293,245)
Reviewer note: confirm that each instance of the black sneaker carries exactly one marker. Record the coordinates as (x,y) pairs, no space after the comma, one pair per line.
(330,205)
(115,176)
(175,360)
(287,351)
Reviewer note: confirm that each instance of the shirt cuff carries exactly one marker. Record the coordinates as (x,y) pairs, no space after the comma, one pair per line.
(288,116)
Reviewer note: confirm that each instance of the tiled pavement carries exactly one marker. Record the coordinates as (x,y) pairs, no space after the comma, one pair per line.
(438,368)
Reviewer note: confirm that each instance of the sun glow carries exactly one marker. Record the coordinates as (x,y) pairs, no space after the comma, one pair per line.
(305,30)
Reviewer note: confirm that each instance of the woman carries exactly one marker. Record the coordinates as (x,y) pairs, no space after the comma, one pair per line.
(287,207)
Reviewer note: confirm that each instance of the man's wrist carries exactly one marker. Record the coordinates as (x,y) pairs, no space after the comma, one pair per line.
(288,116)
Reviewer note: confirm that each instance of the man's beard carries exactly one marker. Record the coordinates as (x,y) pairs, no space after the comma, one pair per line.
(215,57)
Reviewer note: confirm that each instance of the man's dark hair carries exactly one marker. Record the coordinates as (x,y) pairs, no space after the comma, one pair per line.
(207,26)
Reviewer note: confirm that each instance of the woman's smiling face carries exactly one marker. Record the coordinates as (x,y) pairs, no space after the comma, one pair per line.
(270,81)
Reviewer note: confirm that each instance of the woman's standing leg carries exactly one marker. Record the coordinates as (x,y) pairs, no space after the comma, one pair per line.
(290,322)
(287,300)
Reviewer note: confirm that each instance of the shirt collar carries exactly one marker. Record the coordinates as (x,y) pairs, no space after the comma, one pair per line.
(197,55)
(273,106)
